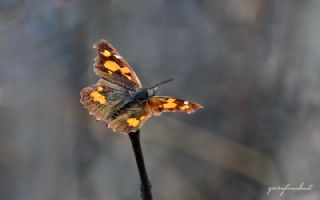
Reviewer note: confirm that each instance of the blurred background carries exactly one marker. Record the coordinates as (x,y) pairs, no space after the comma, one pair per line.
(253,64)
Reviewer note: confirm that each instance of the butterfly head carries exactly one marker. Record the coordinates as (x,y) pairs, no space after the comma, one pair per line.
(153,90)
(146,93)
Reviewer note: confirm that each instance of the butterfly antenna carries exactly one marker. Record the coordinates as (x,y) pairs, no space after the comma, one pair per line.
(162,82)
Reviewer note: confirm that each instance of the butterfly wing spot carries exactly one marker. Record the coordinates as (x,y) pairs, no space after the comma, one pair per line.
(111,65)
(106,53)
(97,97)
(142,117)
(185,107)
(100,89)
(134,122)
(124,70)
(170,103)
(114,67)
(185,102)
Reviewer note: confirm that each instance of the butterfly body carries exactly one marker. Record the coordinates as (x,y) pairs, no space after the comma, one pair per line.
(142,95)
(135,99)
(119,99)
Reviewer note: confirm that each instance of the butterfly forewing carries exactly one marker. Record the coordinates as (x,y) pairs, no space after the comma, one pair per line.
(159,104)
(111,66)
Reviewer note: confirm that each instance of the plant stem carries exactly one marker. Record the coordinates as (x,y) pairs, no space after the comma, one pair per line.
(145,184)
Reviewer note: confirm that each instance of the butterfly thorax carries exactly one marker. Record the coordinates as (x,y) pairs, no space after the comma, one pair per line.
(137,98)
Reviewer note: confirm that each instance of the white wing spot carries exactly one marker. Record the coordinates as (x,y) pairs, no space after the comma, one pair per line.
(186,103)
(117,56)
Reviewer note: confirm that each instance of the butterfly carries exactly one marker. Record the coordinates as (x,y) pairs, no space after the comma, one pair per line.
(118,97)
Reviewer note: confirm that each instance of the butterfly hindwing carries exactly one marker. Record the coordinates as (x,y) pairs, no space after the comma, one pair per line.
(103,99)
(111,66)
(159,104)
(132,119)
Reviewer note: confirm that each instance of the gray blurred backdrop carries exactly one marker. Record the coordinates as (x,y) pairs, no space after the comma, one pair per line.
(253,64)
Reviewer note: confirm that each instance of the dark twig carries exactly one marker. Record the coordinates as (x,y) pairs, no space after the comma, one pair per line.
(145,184)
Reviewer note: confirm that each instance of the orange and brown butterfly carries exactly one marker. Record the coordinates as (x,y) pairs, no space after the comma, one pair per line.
(119,99)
